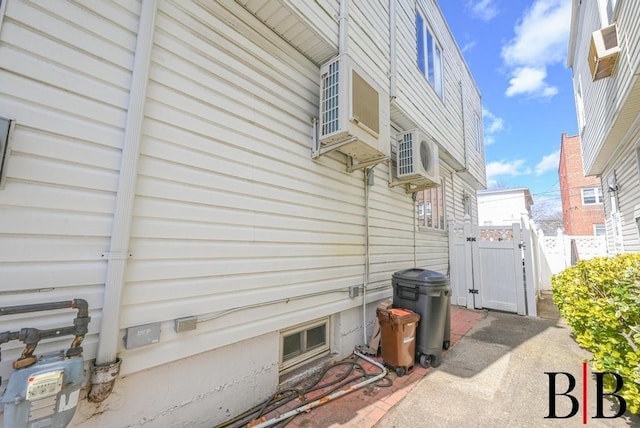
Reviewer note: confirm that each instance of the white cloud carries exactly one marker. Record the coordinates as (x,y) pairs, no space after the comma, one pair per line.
(492,125)
(468,46)
(505,169)
(548,163)
(541,39)
(484,10)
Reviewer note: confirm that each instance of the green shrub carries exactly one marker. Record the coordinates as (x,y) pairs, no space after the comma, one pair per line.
(600,300)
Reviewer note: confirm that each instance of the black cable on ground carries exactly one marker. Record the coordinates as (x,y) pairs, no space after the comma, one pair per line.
(284,396)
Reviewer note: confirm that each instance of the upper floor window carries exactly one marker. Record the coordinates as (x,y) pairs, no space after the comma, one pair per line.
(607,11)
(478,132)
(591,196)
(429,54)
(580,105)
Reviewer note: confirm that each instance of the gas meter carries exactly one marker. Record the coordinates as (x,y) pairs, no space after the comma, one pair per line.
(43,392)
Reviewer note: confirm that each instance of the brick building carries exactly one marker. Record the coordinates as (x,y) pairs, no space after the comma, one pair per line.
(582,198)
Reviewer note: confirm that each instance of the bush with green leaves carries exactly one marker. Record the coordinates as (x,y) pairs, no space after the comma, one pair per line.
(600,300)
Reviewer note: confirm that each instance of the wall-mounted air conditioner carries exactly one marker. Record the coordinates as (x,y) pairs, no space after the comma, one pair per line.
(604,52)
(417,157)
(354,111)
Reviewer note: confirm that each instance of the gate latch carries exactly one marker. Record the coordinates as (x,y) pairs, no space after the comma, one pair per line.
(473,291)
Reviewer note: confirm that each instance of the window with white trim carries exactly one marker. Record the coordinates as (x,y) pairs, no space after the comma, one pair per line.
(599,229)
(432,201)
(607,10)
(478,132)
(303,342)
(591,196)
(429,54)
(580,105)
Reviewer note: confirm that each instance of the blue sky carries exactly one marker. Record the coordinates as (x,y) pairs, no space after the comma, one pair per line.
(517,50)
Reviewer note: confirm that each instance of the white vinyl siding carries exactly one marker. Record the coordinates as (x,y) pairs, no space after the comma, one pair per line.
(69,106)
(233,222)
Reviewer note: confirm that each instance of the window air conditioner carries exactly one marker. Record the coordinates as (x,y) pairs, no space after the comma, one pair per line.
(603,52)
(417,158)
(354,111)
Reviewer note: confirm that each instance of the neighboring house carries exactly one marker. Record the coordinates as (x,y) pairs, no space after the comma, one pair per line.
(173,164)
(503,207)
(582,197)
(605,61)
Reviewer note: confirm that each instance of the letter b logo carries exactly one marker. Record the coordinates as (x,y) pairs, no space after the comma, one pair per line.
(573,401)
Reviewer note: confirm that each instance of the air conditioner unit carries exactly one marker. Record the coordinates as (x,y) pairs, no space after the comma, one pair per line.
(604,52)
(417,157)
(354,111)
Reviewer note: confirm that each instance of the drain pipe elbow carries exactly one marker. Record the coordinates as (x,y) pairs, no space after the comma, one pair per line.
(102,380)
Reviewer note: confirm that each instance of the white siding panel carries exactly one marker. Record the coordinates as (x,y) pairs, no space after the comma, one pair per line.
(65,70)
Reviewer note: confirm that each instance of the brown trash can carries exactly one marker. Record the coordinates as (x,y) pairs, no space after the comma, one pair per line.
(398,327)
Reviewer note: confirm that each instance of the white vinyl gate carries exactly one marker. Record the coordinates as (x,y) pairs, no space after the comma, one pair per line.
(491,267)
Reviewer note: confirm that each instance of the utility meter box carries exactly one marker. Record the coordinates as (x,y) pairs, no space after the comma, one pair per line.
(44,394)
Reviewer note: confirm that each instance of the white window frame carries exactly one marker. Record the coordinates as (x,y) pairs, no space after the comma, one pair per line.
(429,54)
(580,106)
(478,128)
(607,10)
(600,226)
(305,355)
(433,212)
(597,195)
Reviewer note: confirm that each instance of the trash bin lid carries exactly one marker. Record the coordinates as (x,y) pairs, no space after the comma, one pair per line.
(429,277)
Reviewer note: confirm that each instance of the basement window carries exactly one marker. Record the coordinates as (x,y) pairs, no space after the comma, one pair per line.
(304,342)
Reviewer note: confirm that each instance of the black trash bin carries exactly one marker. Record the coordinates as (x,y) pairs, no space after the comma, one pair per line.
(428,294)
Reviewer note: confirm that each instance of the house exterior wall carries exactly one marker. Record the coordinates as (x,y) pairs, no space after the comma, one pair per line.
(503,207)
(233,222)
(57,205)
(578,218)
(610,123)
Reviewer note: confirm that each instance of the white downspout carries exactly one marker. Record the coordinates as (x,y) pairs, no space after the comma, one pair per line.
(107,364)
(343,24)
(343,40)
(367,252)
(392,50)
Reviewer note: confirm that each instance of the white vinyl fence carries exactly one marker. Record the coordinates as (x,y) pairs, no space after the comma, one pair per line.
(563,251)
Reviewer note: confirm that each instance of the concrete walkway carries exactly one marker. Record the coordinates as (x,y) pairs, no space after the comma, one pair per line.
(495,377)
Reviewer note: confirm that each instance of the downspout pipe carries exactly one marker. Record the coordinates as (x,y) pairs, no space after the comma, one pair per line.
(107,364)
(368,181)
(343,24)
(464,129)
(392,50)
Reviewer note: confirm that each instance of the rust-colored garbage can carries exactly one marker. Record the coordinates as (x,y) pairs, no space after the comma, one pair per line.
(398,328)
